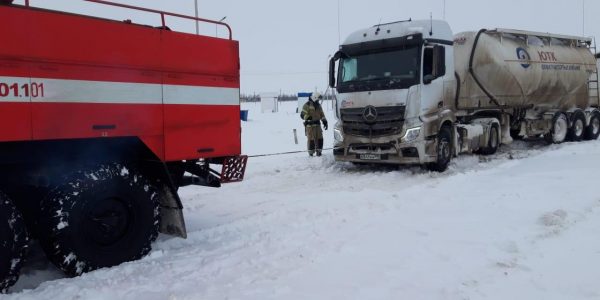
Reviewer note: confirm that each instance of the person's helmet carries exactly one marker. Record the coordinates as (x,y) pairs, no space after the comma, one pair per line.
(315,96)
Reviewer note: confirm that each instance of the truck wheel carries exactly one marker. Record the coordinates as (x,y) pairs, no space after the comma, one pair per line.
(592,131)
(577,130)
(493,141)
(13,243)
(444,151)
(100,218)
(558,132)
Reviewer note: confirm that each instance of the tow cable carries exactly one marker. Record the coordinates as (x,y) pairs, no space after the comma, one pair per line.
(288,153)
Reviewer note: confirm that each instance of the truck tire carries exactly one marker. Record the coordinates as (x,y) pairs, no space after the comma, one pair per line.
(493,141)
(577,130)
(443,150)
(559,130)
(100,218)
(592,131)
(13,243)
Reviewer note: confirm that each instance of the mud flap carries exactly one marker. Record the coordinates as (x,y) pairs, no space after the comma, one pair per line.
(234,169)
(171,214)
(505,130)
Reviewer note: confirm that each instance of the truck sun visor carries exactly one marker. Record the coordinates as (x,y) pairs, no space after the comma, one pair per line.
(384,44)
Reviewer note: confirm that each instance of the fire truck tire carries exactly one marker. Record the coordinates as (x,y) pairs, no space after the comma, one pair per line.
(444,151)
(13,243)
(99,218)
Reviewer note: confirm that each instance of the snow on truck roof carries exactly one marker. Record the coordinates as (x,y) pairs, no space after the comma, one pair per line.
(430,29)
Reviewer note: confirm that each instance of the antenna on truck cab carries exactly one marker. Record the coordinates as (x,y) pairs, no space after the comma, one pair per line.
(431,20)
(391,23)
(378,25)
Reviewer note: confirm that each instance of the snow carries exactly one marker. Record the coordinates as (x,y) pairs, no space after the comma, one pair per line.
(124,171)
(522,224)
(62,225)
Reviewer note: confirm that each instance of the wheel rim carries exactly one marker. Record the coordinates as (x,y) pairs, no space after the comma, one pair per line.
(578,127)
(560,129)
(107,221)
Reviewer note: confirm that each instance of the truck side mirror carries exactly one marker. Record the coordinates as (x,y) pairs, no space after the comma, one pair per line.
(427,79)
(439,54)
(332,72)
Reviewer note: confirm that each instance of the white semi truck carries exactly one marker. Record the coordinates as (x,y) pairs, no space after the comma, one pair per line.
(411,92)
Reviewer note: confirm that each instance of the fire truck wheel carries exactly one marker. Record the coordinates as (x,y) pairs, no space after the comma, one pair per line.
(577,130)
(13,243)
(592,131)
(100,218)
(444,151)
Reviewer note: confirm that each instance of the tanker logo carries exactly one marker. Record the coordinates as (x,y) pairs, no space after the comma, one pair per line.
(524,57)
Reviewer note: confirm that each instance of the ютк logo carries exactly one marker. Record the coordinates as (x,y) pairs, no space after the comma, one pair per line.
(524,57)
(370,114)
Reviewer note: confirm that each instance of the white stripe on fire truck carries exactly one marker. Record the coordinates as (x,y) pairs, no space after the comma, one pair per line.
(44,90)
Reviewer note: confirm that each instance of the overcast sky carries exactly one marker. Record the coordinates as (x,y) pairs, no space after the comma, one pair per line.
(285,44)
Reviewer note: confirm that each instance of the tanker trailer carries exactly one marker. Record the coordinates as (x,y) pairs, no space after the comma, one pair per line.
(542,81)
(411,92)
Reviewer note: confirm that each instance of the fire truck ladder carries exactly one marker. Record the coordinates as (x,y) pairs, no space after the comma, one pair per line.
(593,87)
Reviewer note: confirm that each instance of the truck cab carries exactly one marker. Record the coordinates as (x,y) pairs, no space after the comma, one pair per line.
(396,86)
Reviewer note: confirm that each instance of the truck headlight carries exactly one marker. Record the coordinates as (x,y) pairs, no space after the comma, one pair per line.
(337,134)
(411,134)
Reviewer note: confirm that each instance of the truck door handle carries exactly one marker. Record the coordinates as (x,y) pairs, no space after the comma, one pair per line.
(104,127)
(206,150)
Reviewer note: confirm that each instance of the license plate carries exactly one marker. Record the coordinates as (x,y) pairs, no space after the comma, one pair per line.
(370,157)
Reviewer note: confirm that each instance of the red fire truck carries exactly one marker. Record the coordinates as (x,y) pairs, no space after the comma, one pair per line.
(101,122)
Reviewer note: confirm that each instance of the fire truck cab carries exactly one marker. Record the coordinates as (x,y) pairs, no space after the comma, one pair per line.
(101,122)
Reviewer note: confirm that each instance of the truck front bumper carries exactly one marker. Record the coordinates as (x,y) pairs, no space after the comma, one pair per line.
(386,150)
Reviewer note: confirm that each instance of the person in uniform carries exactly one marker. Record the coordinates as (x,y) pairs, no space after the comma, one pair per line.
(313,115)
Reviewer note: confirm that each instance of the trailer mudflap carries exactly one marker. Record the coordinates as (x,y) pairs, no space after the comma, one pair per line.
(234,169)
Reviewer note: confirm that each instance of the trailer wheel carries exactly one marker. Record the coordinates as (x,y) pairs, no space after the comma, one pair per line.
(13,243)
(592,131)
(577,130)
(558,132)
(100,218)
(444,151)
(493,141)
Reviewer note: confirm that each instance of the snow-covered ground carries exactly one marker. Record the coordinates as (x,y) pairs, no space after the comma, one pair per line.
(523,224)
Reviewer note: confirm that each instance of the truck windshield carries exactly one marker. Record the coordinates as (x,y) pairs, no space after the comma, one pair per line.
(395,69)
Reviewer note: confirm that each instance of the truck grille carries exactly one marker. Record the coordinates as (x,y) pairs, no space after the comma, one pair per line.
(389,121)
